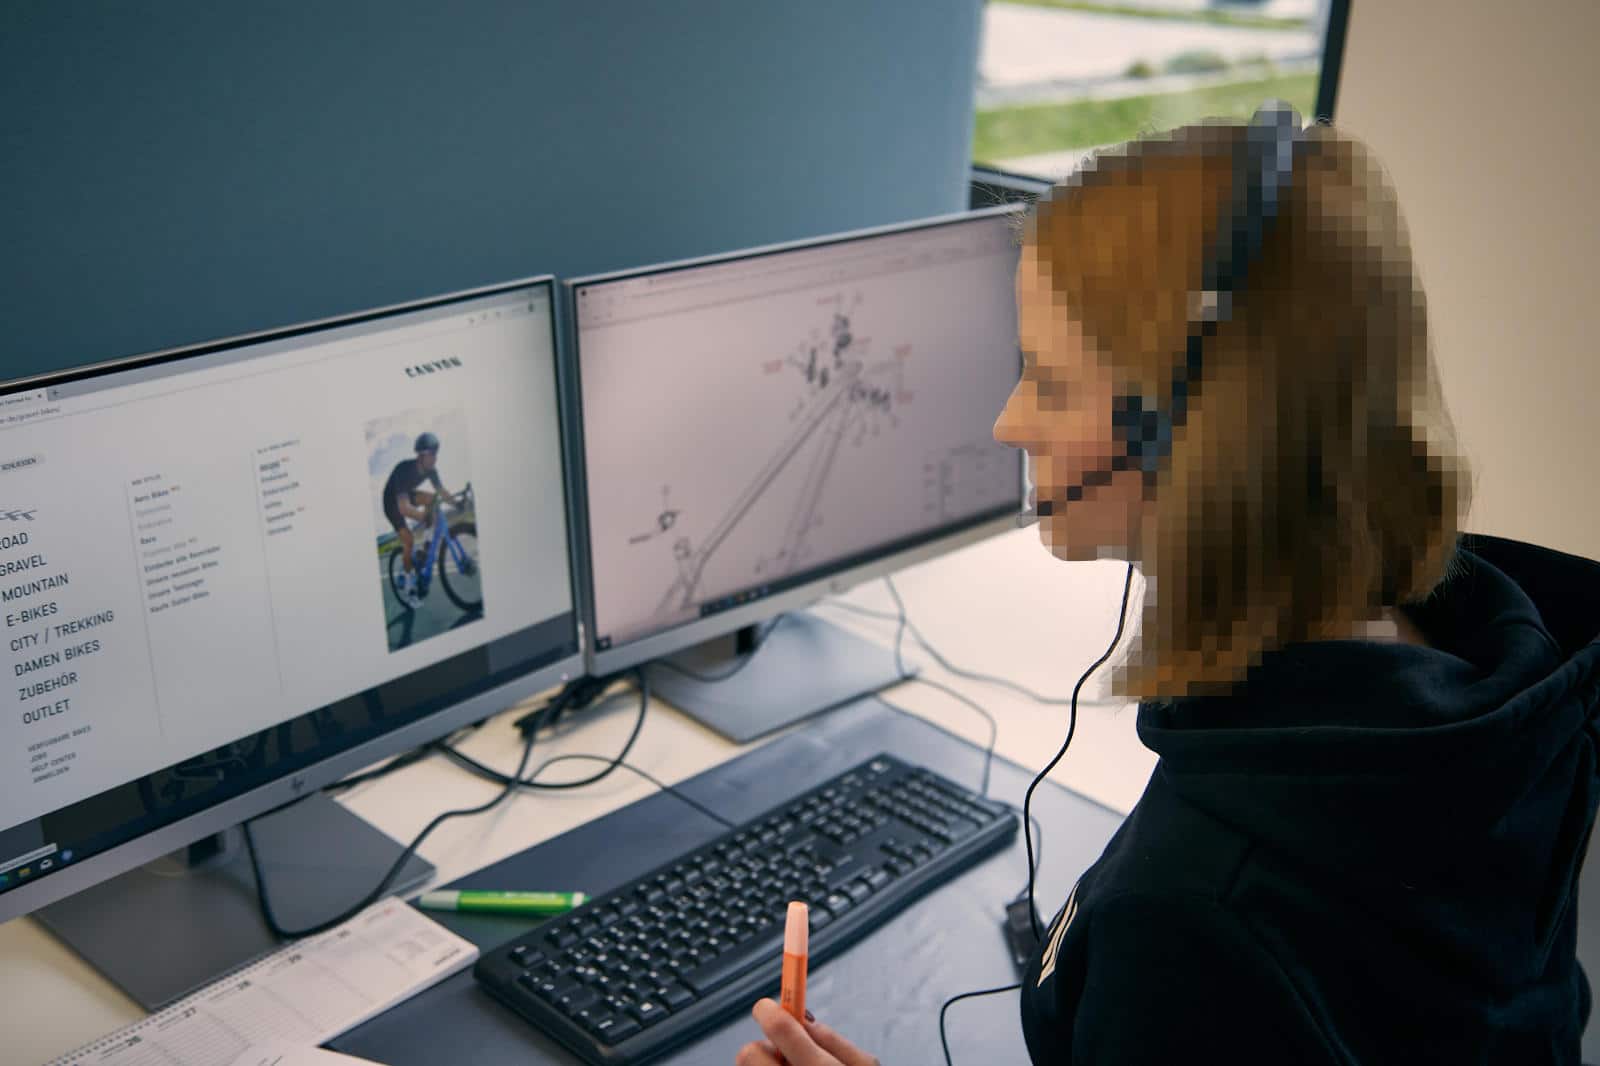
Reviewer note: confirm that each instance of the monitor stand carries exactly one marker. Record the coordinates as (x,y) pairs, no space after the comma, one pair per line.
(174,925)
(805,666)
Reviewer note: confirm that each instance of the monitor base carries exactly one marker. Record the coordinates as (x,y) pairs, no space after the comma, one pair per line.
(174,925)
(805,666)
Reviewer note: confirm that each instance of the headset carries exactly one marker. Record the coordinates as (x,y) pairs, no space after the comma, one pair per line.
(1263,162)
(1263,165)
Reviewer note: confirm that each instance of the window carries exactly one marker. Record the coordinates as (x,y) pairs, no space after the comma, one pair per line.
(1057,78)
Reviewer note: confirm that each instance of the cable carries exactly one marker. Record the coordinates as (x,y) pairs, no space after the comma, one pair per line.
(1028,820)
(472,765)
(971,675)
(1072,725)
(517,780)
(483,770)
(945,1043)
(475,767)
(575,695)
(383,884)
(900,627)
(399,762)
(711,679)
(994,729)
(1038,856)
(899,636)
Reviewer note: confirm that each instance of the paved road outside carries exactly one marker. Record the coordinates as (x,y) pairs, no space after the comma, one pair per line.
(1038,46)
(1276,9)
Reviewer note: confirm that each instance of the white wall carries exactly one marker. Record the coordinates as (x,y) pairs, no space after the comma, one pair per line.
(1484,113)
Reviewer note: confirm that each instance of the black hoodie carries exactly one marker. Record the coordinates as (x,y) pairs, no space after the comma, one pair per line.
(1368,853)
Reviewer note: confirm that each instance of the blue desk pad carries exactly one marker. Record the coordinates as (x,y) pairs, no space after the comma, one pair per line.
(884,993)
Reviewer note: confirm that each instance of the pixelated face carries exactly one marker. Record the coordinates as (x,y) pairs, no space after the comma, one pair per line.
(1060,414)
(426,460)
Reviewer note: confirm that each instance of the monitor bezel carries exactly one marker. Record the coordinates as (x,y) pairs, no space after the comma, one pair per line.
(120,858)
(688,634)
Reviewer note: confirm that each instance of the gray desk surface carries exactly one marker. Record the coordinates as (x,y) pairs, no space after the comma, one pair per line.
(884,993)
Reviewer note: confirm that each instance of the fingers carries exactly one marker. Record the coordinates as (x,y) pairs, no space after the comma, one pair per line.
(790,1037)
(760,1053)
(837,1046)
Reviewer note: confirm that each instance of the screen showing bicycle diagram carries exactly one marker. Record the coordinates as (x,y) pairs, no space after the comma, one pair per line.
(750,425)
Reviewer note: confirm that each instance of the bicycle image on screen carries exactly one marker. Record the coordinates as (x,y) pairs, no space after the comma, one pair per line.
(429,566)
(451,551)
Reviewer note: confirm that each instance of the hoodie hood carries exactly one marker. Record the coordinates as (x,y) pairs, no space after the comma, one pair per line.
(1450,788)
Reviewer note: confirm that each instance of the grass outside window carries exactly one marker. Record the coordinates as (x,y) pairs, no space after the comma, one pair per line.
(1008,133)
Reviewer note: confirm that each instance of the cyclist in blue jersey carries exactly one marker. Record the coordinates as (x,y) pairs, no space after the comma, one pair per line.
(404,502)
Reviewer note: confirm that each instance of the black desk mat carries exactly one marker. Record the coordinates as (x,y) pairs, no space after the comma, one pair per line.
(884,993)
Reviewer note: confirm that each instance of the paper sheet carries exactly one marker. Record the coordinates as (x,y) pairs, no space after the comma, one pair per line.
(296,998)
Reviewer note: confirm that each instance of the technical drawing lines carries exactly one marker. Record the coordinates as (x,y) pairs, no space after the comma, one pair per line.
(692,563)
(844,398)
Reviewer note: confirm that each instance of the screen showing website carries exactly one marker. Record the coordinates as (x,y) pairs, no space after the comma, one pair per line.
(196,552)
(806,410)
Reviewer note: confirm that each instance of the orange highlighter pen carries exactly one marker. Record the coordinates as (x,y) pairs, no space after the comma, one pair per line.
(796,946)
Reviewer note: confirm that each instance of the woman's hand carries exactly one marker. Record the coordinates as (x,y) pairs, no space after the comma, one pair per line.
(789,1043)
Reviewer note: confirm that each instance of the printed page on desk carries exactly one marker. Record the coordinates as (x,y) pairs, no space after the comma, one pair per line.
(301,996)
(280,1055)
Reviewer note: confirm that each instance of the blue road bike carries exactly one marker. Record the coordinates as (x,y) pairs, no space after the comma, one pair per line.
(452,549)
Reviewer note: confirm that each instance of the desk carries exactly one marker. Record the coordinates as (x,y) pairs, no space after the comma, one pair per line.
(1003,606)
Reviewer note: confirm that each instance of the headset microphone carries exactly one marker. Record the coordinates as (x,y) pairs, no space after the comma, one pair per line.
(1026,518)
(1263,162)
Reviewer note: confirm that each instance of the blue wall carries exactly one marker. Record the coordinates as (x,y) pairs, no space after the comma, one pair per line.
(187,169)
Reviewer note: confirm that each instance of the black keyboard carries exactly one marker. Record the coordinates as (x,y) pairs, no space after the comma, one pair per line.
(641,971)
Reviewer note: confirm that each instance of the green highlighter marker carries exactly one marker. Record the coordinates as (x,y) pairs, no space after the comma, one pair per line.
(541,903)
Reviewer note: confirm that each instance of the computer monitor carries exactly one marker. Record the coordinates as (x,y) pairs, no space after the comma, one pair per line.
(761,429)
(207,612)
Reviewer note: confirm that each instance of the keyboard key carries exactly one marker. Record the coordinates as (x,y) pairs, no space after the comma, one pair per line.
(858,890)
(837,903)
(676,996)
(647,1012)
(548,984)
(574,1000)
(614,1029)
(713,972)
(961,829)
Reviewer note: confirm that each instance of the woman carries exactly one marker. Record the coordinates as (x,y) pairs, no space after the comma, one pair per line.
(1377,760)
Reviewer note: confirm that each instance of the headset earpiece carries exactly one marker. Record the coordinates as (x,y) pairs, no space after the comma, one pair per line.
(1263,165)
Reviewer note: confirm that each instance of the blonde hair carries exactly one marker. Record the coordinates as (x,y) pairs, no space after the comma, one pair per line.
(1315,480)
